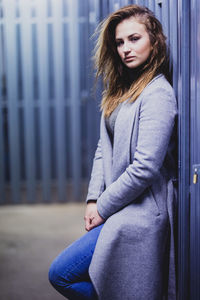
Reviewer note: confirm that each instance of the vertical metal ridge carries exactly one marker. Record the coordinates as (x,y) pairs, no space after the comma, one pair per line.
(173,34)
(194,151)
(184,155)
(2,159)
(93,114)
(27,70)
(44,101)
(90,22)
(158,11)
(13,114)
(2,140)
(151,5)
(59,98)
(166,18)
(75,96)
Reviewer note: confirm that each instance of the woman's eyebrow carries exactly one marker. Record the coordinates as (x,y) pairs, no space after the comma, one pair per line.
(135,33)
(130,36)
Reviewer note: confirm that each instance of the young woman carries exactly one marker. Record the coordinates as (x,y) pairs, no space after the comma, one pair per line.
(128,251)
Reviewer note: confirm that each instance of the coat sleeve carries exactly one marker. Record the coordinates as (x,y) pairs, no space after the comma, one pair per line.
(156,121)
(96,184)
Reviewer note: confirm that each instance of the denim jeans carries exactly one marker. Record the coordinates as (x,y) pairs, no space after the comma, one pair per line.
(69,271)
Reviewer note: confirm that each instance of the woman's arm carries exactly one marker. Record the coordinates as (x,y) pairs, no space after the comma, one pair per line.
(157,115)
(95,189)
(96,184)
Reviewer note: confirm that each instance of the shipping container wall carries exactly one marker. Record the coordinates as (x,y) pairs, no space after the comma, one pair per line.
(49,111)
(49,114)
(194,232)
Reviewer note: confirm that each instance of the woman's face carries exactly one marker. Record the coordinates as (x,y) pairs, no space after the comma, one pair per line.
(133,43)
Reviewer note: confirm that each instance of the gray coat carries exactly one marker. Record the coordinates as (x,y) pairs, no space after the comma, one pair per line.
(133,182)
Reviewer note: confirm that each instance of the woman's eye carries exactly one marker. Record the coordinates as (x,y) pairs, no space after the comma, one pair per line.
(119,43)
(133,39)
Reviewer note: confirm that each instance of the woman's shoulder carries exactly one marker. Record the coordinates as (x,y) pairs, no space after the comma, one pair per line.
(158,92)
(159,84)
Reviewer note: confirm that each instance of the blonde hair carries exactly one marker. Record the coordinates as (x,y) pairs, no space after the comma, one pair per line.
(109,65)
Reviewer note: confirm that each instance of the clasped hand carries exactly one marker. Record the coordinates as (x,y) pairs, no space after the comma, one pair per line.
(92,217)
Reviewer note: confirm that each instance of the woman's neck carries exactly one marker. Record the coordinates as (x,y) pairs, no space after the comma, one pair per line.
(133,74)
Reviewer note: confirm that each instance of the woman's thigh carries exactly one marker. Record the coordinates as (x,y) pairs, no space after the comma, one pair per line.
(72,264)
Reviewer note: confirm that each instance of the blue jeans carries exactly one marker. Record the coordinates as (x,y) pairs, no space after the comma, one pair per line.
(69,271)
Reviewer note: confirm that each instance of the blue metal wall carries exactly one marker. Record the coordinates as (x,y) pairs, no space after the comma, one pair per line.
(49,120)
(184,145)
(194,150)
(48,116)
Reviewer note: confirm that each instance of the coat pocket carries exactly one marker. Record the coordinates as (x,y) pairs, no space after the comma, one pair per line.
(154,205)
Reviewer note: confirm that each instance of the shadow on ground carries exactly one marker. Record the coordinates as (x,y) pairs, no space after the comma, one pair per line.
(30,238)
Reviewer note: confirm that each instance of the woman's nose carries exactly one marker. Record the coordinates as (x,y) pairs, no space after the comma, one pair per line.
(126,48)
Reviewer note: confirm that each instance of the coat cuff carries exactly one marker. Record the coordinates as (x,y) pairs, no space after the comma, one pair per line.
(102,211)
(91,200)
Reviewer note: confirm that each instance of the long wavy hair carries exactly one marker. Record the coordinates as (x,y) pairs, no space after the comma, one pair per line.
(117,84)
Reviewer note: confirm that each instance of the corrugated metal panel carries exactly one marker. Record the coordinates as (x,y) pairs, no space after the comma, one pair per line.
(195,154)
(12,69)
(184,140)
(3,151)
(52,116)
(53,119)
(173,42)
(92,116)
(59,100)
(49,121)
(43,110)
(28,111)
(75,94)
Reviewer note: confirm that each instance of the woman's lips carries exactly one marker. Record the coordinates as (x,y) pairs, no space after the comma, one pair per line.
(129,58)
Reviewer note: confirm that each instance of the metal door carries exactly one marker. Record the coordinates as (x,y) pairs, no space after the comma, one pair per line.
(195,150)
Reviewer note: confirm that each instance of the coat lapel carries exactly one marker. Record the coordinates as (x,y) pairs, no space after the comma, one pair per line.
(107,152)
(122,137)
(115,158)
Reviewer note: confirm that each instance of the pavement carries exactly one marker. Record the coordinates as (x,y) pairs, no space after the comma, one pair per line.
(31,236)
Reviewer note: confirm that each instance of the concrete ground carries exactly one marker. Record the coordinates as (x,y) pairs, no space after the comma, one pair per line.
(31,236)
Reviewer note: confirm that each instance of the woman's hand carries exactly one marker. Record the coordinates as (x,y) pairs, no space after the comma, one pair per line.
(92,217)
